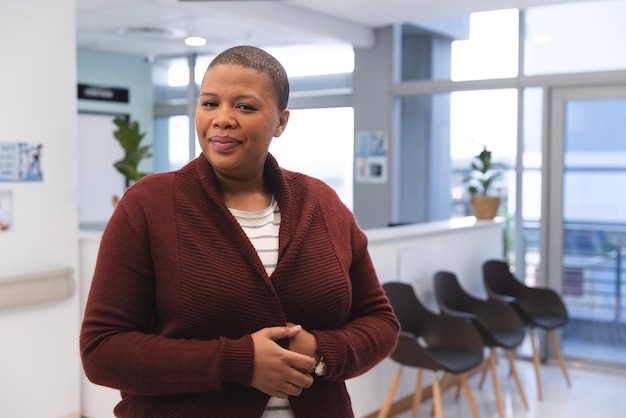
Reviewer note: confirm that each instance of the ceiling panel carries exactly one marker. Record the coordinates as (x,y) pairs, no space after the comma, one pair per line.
(262,23)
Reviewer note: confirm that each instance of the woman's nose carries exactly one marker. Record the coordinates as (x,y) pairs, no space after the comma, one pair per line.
(223,118)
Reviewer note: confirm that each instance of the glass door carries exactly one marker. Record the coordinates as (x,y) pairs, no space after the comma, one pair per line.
(585,209)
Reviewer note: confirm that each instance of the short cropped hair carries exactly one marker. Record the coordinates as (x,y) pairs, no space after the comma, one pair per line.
(261,61)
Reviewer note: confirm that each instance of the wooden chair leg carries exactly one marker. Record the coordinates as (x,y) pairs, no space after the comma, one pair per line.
(443,384)
(445,381)
(384,411)
(536,363)
(496,384)
(485,371)
(510,354)
(559,355)
(438,411)
(468,395)
(457,393)
(417,396)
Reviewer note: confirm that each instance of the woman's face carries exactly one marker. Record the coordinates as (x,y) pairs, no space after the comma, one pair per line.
(236,118)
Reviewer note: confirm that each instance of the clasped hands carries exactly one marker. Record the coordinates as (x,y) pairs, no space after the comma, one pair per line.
(283,372)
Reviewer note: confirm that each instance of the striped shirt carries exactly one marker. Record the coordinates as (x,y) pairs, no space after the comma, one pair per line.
(262,229)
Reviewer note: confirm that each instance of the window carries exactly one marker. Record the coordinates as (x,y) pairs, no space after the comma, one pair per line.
(482,118)
(171,147)
(575,37)
(310,147)
(491,50)
(475,47)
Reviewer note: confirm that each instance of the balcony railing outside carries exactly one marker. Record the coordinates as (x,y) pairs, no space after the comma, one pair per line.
(593,269)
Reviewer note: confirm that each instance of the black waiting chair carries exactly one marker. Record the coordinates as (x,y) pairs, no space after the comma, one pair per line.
(497,322)
(429,341)
(539,307)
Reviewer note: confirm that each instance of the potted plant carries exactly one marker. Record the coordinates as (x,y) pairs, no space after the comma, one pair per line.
(129,136)
(480,182)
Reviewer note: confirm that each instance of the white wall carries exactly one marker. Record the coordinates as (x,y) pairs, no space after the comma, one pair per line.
(39,350)
(97,401)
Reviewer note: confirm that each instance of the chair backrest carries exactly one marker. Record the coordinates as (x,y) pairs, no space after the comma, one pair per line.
(497,322)
(438,331)
(449,293)
(499,280)
(408,309)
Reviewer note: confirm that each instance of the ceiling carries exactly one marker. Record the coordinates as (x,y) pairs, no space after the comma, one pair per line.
(151,28)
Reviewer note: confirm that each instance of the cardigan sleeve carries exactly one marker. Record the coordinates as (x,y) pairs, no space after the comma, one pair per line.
(371,332)
(119,344)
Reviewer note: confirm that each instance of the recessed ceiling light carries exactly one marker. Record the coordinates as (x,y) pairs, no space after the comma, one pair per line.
(148,32)
(195,41)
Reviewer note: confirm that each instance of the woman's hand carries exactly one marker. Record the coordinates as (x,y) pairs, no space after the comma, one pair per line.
(304,343)
(277,371)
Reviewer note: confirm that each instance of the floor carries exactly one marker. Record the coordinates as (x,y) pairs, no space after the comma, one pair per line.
(593,394)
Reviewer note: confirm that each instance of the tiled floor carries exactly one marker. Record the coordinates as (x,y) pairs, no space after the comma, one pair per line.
(593,394)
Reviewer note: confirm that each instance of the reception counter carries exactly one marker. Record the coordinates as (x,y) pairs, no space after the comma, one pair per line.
(410,253)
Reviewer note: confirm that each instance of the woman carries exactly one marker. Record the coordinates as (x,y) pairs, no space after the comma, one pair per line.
(232,287)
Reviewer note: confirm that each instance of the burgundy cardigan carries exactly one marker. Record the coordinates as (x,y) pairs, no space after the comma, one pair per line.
(178,289)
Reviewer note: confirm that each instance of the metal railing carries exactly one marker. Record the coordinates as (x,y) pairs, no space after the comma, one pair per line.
(593,268)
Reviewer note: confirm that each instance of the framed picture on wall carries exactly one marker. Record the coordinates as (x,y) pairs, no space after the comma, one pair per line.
(20,161)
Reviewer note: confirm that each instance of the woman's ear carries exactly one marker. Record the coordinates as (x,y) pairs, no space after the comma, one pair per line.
(283,118)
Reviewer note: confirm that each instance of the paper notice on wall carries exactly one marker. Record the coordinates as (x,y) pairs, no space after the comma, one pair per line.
(20,161)
(371,157)
(6,211)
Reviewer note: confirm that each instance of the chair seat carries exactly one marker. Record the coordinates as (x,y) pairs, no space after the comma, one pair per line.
(456,360)
(547,320)
(508,337)
(431,341)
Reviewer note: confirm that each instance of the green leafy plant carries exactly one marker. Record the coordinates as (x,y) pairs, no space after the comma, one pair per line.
(130,137)
(483,173)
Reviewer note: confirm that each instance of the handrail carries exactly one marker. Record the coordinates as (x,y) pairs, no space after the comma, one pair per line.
(35,288)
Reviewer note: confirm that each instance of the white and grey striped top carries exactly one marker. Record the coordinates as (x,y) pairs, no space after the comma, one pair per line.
(262,229)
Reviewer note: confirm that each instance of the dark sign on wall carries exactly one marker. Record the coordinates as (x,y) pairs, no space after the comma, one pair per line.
(108,94)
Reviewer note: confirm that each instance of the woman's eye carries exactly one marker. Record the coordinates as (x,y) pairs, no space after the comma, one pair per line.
(246,107)
(209,104)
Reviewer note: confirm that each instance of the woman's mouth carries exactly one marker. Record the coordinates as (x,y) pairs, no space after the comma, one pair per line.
(224,144)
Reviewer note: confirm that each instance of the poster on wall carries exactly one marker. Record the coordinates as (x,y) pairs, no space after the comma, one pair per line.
(6,211)
(20,161)
(371,157)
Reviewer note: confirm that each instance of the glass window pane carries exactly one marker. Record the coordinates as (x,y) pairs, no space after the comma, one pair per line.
(491,50)
(595,161)
(438,139)
(528,267)
(575,37)
(308,60)
(309,147)
(300,60)
(532,139)
(476,47)
(483,118)
(169,78)
(179,141)
(171,145)
(202,63)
